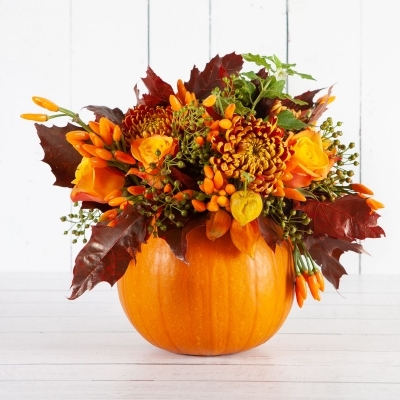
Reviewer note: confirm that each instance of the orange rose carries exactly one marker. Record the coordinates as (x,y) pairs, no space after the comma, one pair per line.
(93,184)
(144,150)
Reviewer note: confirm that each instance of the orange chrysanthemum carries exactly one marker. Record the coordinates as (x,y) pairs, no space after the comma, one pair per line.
(142,122)
(254,146)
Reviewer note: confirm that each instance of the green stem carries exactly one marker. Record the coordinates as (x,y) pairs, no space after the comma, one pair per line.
(75,118)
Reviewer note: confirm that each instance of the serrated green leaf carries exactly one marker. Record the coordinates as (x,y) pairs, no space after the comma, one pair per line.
(251,75)
(304,76)
(287,120)
(257,59)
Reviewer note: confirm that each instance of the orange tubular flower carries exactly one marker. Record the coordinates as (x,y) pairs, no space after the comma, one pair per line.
(374,204)
(94,184)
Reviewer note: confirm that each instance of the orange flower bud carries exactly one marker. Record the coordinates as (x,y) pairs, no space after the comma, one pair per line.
(210,100)
(47,104)
(360,188)
(35,117)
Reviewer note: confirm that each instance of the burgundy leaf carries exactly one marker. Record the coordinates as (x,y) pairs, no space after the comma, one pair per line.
(326,252)
(58,153)
(320,108)
(187,181)
(158,89)
(270,231)
(177,237)
(115,115)
(106,256)
(306,97)
(348,218)
(201,83)
(151,101)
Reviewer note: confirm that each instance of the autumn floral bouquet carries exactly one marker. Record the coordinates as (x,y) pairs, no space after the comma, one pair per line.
(227,149)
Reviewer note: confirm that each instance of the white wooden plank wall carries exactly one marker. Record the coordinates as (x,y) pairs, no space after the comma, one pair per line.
(80,52)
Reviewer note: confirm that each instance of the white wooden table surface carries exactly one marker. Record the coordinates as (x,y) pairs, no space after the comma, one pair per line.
(345,347)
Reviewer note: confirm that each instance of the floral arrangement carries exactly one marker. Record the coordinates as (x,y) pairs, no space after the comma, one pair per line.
(229,150)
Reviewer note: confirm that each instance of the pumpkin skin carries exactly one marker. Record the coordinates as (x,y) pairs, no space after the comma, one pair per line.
(222,302)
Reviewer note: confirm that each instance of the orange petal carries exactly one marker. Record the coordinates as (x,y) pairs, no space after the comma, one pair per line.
(294,194)
(245,237)
(218,224)
(374,204)
(360,188)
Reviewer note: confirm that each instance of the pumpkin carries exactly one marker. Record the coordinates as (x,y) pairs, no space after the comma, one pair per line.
(221,302)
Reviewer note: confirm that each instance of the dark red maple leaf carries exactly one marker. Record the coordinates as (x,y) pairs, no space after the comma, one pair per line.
(58,153)
(159,91)
(270,231)
(107,254)
(326,251)
(187,181)
(201,83)
(348,218)
(115,115)
(177,237)
(306,97)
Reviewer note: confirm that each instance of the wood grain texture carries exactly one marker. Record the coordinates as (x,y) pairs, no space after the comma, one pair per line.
(52,348)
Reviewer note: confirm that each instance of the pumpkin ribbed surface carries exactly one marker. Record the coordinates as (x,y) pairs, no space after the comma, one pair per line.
(222,302)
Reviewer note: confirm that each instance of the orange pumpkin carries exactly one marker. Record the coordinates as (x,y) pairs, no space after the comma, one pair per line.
(222,302)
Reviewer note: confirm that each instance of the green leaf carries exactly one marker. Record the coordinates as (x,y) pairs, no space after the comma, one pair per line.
(257,59)
(287,120)
(251,75)
(303,76)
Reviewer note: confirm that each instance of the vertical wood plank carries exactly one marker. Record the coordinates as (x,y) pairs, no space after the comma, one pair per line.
(34,61)
(258,26)
(108,56)
(325,42)
(178,38)
(379,127)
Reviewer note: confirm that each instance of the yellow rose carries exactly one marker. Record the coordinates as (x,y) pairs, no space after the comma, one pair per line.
(311,160)
(309,153)
(144,150)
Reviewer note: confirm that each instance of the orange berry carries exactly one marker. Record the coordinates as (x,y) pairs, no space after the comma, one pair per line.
(94,126)
(360,188)
(208,172)
(77,135)
(104,154)
(96,140)
(176,105)
(223,201)
(181,90)
(225,123)
(210,100)
(218,180)
(199,205)
(108,215)
(199,140)
(116,201)
(117,133)
(136,190)
(98,162)
(229,188)
(208,186)
(229,111)
(124,157)
(35,117)
(212,206)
